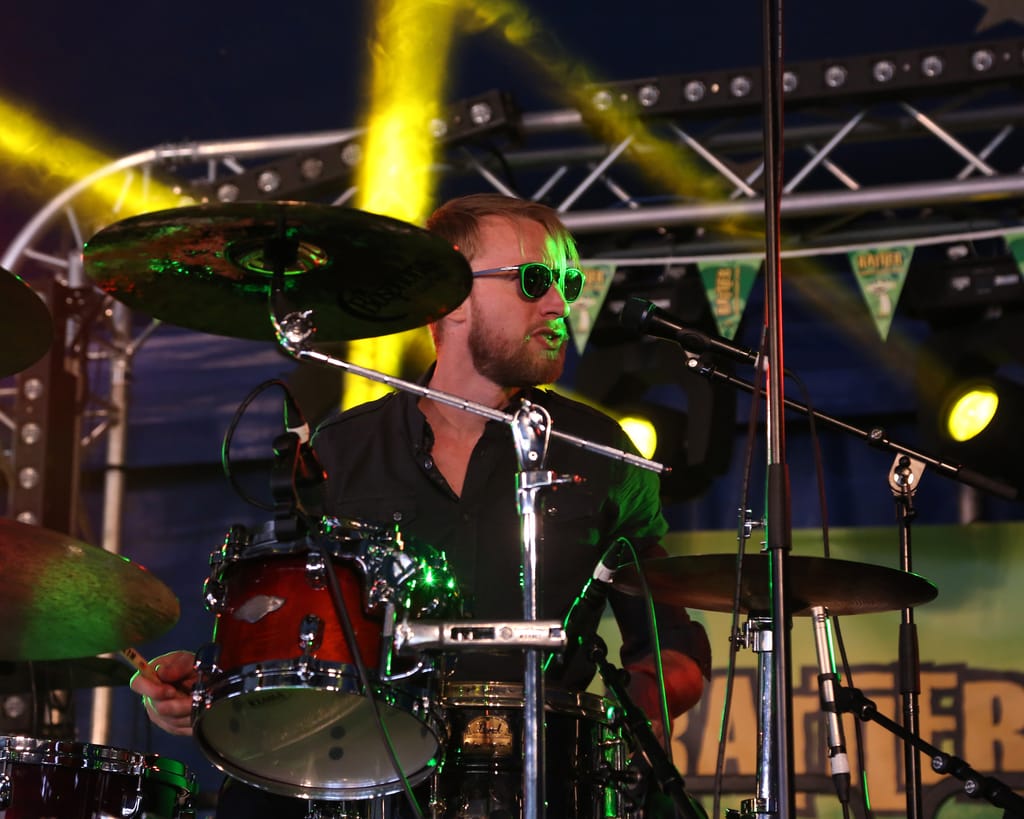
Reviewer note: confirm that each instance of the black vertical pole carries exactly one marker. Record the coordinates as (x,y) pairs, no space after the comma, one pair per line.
(779,529)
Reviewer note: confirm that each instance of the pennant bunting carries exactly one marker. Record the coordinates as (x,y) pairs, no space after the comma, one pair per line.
(881,273)
(727,283)
(1015,244)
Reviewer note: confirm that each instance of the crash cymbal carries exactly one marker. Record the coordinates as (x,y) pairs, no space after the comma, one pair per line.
(209,268)
(59,675)
(27,327)
(708,582)
(60,598)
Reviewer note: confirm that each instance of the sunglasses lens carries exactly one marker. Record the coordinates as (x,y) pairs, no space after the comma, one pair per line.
(572,284)
(536,279)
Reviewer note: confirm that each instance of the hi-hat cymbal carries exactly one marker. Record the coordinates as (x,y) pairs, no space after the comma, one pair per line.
(209,268)
(60,675)
(61,598)
(708,582)
(27,326)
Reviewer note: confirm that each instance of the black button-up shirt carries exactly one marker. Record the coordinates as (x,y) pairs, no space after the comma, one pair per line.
(379,465)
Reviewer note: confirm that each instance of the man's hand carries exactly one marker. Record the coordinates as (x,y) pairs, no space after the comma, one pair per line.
(169,702)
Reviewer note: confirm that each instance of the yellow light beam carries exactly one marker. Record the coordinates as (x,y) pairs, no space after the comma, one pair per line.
(667,162)
(410,48)
(40,159)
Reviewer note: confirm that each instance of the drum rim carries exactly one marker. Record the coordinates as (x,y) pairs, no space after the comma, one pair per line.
(494,694)
(18,748)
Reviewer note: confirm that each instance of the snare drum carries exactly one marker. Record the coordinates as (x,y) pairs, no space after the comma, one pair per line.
(279,702)
(72,780)
(482,771)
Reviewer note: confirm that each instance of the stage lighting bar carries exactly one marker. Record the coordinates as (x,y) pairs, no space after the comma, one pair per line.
(318,172)
(884,74)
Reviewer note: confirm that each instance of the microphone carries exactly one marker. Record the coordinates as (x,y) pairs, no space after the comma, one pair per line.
(839,763)
(647,318)
(581,621)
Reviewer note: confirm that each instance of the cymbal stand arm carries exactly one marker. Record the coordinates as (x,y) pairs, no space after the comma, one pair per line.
(903,480)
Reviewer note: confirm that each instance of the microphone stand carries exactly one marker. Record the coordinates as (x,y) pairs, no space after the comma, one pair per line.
(665,773)
(778,528)
(903,478)
(976,785)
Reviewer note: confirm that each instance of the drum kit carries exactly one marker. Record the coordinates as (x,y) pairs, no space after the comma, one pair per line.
(310,666)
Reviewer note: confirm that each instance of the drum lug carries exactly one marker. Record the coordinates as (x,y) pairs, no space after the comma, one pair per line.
(316,569)
(206,664)
(213,595)
(5,792)
(235,541)
(311,633)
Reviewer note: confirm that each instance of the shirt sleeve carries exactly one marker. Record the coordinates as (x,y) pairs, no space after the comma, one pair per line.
(640,520)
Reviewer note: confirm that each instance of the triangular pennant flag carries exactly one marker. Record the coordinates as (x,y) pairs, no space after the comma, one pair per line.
(585,309)
(727,283)
(881,273)
(1015,244)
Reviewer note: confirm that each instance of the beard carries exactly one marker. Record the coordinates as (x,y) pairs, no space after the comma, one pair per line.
(513,362)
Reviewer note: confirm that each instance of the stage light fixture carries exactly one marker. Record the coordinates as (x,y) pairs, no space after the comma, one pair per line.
(978,426)
(641,432)
(648,95)
(970,389)
(932,66)
(983,59)
(883,71)
(740,86)
(969,409)
(835,76)
(890,74)
(329,169)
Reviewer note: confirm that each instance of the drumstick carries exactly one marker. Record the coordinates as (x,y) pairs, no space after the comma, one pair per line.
(137,661)
(140,664)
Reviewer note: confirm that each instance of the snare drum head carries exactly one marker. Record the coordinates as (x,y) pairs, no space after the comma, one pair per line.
(316,743)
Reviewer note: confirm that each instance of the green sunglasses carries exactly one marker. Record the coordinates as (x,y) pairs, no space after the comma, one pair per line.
(536,278)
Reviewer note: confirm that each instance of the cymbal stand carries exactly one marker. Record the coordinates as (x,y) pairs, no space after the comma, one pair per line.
(636,723)
(757,634)
(531,429)
(903,480)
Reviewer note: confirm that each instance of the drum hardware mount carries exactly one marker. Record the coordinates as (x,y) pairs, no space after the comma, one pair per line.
(472,635)
(634,720)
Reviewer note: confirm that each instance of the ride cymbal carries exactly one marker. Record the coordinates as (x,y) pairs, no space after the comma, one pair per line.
(708,582)
(209,268)
(63,599)
(27,326)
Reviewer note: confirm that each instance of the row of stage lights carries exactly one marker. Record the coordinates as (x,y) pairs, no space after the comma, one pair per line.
(321,170)
(812,81)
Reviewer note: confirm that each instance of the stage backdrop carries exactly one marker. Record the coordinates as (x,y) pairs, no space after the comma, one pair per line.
(972,675)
